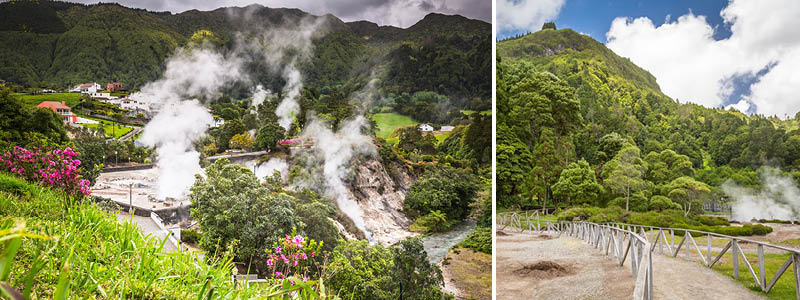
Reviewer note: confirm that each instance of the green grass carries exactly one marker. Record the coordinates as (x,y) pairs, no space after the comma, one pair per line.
(783,289)
(468,112)
(85,251)
(388,122)
(71,99)
(115,131)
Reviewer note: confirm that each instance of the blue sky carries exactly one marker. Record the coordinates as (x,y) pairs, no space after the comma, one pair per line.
(594,17)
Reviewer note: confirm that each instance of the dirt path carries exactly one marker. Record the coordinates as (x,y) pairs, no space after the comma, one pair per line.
(589,274)
(675,278)
(148,227)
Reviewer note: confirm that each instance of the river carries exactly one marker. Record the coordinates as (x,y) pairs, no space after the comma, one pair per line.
(438,244)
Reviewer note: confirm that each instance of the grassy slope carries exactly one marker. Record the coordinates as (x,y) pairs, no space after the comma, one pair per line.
(471,272)
(111,130)
(71,99)
(108,259)
(388,122)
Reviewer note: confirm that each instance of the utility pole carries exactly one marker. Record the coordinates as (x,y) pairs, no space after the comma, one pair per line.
(130,199)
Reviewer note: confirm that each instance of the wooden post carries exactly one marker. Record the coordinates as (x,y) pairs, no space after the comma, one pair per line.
(796,258)
(708,254)
(761,273)
(735,254)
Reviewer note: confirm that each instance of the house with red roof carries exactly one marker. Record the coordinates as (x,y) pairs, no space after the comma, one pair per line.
(62,109)
(114,86)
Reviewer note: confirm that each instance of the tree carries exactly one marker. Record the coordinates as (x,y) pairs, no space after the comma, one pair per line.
(411,139)
(513,167)
(666,166)
(688,192)
(373,272)
(578,184)
(269,135)
(233,208)
(624,173)
(414,276)
(242,141)
(441,188)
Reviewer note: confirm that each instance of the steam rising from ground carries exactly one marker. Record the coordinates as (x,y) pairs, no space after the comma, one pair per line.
(335,152)
(181,118)
(778,199)
(197,73)
(268,168)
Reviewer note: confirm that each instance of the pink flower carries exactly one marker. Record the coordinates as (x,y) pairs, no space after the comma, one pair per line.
(278,250)
(304,256)
(270,262)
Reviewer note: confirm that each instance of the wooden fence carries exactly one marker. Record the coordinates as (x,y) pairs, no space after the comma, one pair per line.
(618,240)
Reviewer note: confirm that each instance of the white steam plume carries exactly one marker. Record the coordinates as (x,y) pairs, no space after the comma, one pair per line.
(778,199)
(181,119)
(288,108)
(268,168)
(335,151)
(259,94)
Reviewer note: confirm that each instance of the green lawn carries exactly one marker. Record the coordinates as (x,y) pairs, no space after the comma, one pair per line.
(783,289)
(469,112)
(111,130)
(388,122)
(71,99)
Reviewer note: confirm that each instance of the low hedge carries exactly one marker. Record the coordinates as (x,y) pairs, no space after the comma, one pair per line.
(667,218)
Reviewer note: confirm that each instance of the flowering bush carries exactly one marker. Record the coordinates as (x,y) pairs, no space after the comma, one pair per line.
(290,142)
(293,257)
(57,168)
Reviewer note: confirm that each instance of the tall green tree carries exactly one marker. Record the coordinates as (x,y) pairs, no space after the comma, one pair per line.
(625,173)
(578,184)
(689,193)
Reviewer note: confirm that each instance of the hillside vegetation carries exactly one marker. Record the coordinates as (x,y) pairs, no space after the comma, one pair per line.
(605,135)
(61,44)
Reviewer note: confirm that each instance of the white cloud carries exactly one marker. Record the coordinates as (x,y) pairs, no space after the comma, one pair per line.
(691,65)
(401,13)
(526,14)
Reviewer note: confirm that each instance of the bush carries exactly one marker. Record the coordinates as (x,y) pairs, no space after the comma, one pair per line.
(57,168)
(444,189)
(434,221)
(190,236)
(479,240)
(660,203)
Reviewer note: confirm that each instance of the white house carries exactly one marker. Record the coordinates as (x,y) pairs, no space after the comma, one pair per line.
(87,88)
(447,128)
(100,95)
(425,127)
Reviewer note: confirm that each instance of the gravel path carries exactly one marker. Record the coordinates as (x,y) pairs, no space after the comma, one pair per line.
(595,276)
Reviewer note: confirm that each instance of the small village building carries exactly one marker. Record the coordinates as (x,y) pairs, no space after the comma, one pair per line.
(62,109)
(114,87)
(447,128)
(425,127)
(87,88)
(101,95)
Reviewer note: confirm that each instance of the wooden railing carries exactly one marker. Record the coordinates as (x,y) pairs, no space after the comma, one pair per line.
(614,238)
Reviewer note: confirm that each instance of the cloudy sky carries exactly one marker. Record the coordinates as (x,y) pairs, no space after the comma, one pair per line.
(401,13)
(718,53)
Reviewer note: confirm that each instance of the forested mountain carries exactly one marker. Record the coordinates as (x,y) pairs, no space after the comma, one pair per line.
(580,124)
(60,44)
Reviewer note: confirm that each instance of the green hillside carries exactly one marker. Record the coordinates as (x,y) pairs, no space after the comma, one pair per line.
(592,105)
(60,44)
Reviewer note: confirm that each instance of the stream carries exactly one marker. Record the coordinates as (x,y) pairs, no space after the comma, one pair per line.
(438,244)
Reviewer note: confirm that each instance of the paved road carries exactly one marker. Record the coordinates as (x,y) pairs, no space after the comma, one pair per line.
(148,227)
(595,276)
(131,134)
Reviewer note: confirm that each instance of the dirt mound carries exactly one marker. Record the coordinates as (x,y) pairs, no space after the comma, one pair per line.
(500,233)
(545,270)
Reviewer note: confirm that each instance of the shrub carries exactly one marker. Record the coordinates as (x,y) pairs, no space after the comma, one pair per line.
(434,221)
(294,257)
(660,203)
(442,188)
(57,168)
(190,236)
(479,240)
